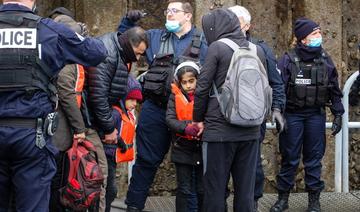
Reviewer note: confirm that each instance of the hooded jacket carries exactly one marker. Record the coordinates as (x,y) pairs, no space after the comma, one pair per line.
(107,83)
(217,24)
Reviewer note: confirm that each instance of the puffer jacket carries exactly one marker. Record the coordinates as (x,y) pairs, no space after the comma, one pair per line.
(217,24)
(107,84)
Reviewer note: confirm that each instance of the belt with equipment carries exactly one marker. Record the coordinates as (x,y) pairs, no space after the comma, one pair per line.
(43,126)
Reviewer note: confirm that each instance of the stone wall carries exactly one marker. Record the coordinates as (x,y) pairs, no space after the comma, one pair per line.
(272,20)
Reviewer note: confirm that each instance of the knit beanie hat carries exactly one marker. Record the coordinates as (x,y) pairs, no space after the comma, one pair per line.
(133,89)
(303,27)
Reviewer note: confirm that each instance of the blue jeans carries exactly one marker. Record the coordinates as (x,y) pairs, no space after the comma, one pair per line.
(189,177)
(306,133)
(111,188)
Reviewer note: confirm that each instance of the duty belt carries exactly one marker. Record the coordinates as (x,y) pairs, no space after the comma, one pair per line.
(18,122)
(42,127)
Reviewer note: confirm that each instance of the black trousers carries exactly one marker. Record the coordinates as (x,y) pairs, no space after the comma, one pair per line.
(222,159)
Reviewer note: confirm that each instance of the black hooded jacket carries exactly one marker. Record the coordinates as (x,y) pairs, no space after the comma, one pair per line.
(217,24)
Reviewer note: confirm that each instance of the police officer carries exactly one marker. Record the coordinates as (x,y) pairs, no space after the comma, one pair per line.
(32,51)
(311,83)
(277,86)
(180,38)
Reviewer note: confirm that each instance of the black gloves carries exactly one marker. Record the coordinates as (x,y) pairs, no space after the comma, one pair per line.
(354,92)
(336,126)
(280,122)
(135,15)
(122,145)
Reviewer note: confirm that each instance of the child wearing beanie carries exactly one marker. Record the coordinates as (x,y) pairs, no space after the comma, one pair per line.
(186,147)
(123,150)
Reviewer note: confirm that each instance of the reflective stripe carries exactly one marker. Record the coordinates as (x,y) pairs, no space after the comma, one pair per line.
(80,79)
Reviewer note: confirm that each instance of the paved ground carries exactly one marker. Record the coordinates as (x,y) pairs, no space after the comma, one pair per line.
(330,202)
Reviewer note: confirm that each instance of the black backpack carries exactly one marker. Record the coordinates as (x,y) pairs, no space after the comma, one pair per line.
(158,78)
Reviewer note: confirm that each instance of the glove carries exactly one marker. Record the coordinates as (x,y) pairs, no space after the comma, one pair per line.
(280,122)
(122,145)
(191,130)
(135,15)
(336,125)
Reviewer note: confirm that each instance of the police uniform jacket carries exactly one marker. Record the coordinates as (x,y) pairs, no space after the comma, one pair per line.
(285,63)
(107,84)
(59,46)
(217,61)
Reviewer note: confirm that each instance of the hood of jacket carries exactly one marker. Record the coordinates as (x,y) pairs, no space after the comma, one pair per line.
(221,23)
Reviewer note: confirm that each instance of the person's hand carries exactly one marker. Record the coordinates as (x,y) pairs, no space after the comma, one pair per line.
(111,138)
(277,117)
(122,145)
(80,136)
(135,15)
(199,125)
(191,130)
(336,125)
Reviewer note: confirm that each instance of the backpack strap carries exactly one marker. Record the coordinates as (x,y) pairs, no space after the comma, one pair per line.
(196,43)
(295,59)
(166,44)
(234,46)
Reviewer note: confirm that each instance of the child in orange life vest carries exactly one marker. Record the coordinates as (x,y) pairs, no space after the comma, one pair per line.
(123,151)
(186,148)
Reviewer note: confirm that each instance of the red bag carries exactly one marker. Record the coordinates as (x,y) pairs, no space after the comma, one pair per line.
(85,178)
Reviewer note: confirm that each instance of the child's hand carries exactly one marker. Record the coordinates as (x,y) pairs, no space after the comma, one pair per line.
(200,126)
(191,130)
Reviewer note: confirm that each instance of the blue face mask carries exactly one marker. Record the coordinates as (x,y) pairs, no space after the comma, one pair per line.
(173,26)
(315,42)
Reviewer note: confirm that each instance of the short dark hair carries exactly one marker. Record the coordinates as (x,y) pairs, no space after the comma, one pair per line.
(136,35)
(186,6)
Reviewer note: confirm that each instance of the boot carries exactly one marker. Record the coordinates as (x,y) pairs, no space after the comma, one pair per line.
(314,201)
(132,209)
(282,203)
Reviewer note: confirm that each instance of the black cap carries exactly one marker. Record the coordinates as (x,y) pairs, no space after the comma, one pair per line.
(62,11)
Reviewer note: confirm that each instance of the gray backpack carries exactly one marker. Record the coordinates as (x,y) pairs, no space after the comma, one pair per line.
(246,97)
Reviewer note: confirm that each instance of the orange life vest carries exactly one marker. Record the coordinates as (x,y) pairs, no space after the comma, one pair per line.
(127,133)
(183,108)
(80,79)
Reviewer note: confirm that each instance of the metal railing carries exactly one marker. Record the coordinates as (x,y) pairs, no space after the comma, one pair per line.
(345,132)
